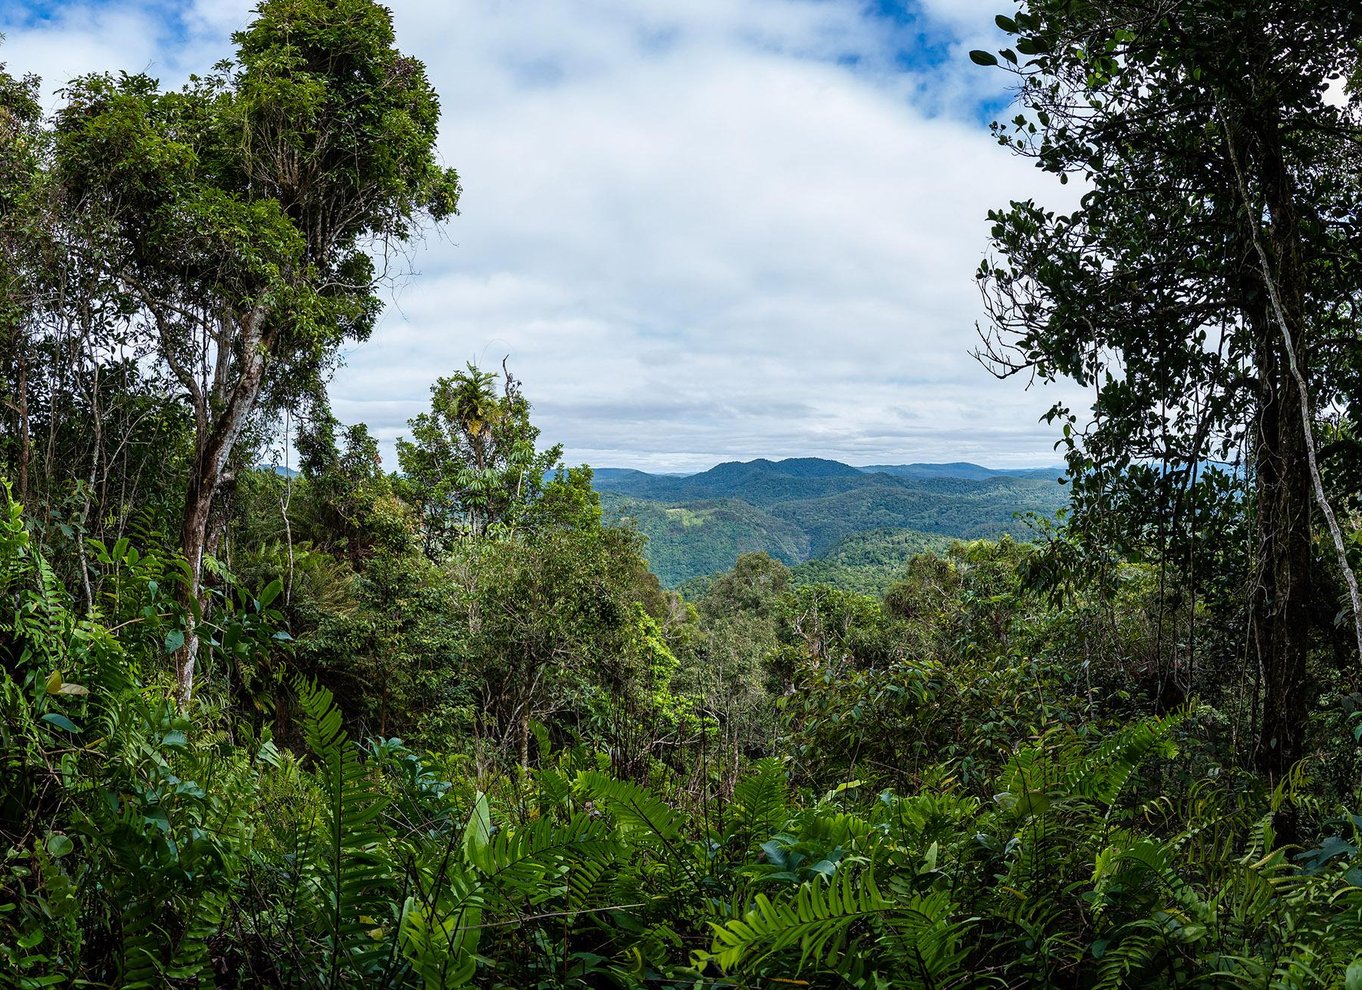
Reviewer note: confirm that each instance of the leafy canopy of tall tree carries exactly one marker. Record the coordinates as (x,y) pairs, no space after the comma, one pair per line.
(1205,288)
(237,214)
(471,461)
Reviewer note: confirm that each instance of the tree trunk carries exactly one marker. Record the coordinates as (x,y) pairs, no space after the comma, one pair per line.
(25,441)
(1280,615)
(193,536)
(1280,619)
(211,455)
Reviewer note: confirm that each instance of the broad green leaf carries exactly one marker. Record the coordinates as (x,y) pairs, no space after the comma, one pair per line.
(60,721)
(270,593)
(1353,980)
(478,832)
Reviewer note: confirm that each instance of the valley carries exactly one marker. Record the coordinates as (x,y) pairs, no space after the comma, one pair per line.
(833,518)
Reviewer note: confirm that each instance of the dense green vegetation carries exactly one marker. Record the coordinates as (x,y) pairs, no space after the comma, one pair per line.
(443,726)
(868,563)
(923,789)
(804,508)
(692,539)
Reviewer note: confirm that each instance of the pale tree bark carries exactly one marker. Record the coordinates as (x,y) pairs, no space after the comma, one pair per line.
(221,411)
(25,438)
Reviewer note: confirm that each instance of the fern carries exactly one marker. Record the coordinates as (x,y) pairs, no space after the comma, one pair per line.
(440,926)
(761,799)
(1103,776)
(536,861)
(1038,776)
(637,812)
(350,875)
(815,920)
(500,874)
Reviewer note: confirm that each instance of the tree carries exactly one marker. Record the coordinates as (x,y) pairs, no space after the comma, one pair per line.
(1205,288)
(236,214)
(471,462)
(22,144)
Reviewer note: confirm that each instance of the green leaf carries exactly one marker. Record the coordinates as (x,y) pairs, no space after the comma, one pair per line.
(60,721)
(174,640)
(1353,980)
(983,58)
(59,845)
(478,832)
(1006,23)
(271,592)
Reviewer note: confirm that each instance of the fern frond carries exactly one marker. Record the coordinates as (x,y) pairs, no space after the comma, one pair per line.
(439,929)
(352,873)
(1104,774)
(533,862)
(815,920)
(922,938)
(761,800)
(638,813)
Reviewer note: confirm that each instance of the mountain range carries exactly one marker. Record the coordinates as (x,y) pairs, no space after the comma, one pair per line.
(806,508)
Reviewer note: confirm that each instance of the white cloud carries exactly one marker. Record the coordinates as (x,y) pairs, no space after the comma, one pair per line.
(701,230)
(81,38)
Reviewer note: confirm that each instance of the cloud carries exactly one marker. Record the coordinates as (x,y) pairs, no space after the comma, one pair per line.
(700,230)
(80,38)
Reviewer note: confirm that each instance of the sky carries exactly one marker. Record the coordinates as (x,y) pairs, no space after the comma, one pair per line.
(698,230)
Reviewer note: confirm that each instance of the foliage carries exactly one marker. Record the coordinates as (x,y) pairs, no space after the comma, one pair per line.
(471,463)
(231,220)
(450,730)
(867,563)
(1198,289)
(1030,849)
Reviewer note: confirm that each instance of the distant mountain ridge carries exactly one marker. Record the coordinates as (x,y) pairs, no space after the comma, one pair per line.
(818,467)
(960,469)
(801,508)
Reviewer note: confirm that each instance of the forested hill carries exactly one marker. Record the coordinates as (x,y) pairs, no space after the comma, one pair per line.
(802,508)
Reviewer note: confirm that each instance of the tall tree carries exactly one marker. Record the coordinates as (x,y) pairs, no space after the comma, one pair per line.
(238,214)
(1206,287)
(21,162)
(471,461)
